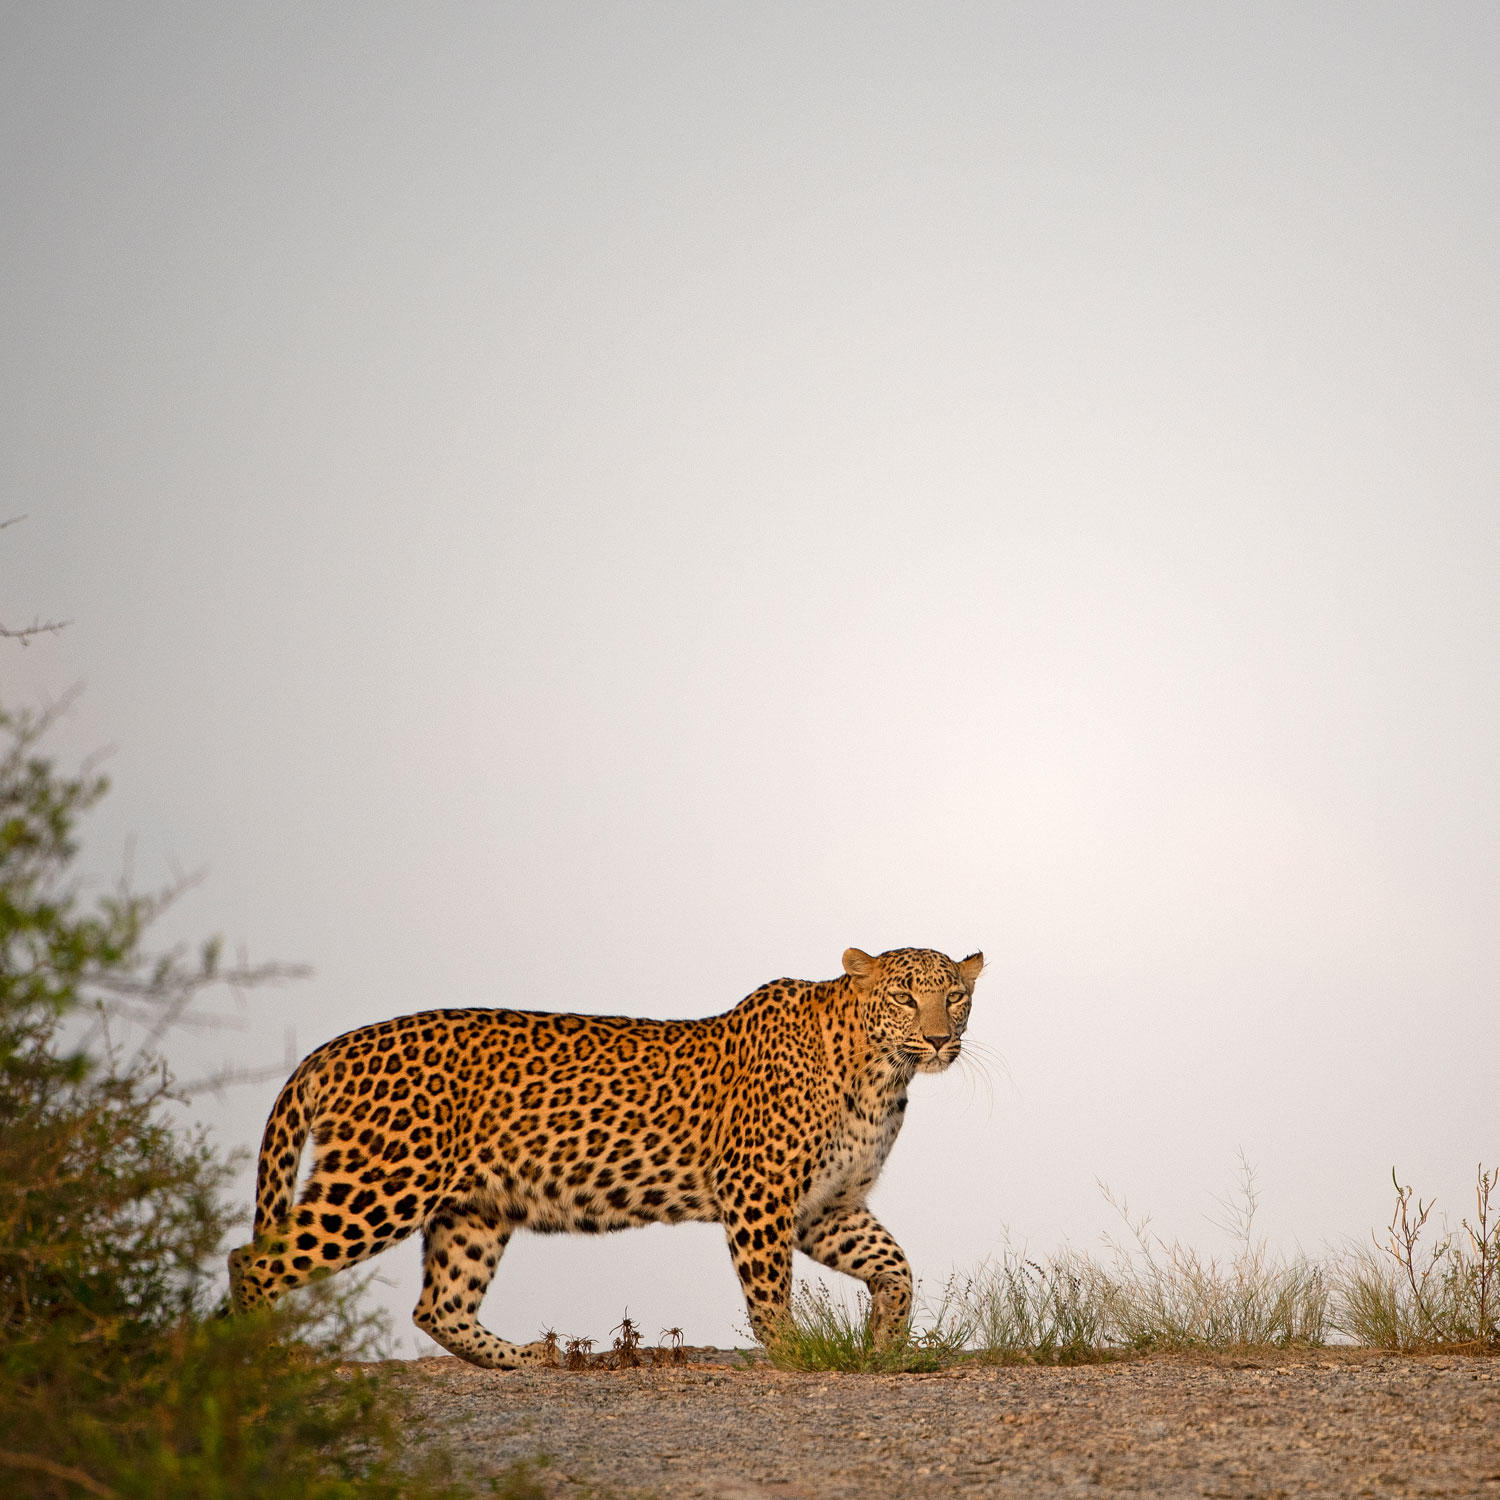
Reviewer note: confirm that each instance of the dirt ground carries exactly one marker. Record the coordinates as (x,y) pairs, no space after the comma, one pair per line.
(1328,1423)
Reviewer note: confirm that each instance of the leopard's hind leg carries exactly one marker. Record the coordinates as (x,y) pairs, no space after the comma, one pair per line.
(339,1221)
(463,1243)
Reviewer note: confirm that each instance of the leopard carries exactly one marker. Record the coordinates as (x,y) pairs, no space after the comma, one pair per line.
(773,1119)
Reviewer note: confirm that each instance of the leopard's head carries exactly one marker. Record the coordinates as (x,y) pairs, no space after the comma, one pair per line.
(914,1003)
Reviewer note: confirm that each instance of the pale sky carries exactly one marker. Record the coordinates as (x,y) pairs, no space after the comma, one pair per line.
(596,507)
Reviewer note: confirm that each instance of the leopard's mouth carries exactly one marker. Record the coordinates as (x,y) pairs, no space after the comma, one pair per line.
(929,1061)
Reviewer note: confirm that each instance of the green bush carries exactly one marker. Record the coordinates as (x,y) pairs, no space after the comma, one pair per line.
(116,1377)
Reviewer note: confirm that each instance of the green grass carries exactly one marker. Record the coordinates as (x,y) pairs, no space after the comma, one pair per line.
(826,1333)
(520,1481)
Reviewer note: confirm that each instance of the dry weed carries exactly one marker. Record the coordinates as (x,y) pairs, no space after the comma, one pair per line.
(626,1349)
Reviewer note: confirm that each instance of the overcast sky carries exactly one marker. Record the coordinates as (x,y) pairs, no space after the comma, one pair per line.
(597,507)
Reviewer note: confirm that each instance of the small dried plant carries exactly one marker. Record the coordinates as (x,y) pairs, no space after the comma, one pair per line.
(670,1351)
(577,1354)
(626,1349)
(1484,1251)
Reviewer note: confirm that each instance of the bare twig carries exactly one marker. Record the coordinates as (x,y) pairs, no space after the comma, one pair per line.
(38,626)
(232,1076)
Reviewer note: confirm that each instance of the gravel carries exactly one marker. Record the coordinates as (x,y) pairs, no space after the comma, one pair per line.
(1329,1422)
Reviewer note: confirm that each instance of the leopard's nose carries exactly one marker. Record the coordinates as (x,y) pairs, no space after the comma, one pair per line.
(937,1043)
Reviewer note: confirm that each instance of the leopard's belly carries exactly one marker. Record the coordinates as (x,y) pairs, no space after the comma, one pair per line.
(600,1207)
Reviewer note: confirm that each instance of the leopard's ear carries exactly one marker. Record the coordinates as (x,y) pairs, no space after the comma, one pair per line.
(858,964)
(969,968)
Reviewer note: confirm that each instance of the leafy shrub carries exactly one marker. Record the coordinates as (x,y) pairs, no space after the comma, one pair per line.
(116,1378)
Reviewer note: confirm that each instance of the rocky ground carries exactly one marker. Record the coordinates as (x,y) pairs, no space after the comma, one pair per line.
(1324,1423)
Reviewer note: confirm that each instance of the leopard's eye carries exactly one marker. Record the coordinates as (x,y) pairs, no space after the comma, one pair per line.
(904,999)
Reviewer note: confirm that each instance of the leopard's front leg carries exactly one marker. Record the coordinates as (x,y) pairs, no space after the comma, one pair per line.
(759,1225)
(855,1242)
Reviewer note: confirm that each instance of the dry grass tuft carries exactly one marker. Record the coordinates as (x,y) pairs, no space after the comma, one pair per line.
(1161,1296)
(1018,1310)
(1071,1307)
(1445,1295)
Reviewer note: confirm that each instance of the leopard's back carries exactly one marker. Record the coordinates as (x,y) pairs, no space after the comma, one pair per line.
(566,1123)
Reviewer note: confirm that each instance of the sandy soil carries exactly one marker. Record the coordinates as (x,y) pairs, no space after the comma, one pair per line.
(1330,1423)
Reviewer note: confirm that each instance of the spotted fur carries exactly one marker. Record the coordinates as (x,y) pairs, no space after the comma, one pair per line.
(773,1120)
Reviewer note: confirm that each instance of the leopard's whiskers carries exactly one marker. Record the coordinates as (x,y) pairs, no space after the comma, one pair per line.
(987,1056)
(976,1075)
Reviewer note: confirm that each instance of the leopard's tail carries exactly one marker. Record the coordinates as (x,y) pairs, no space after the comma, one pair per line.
(286,1133)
